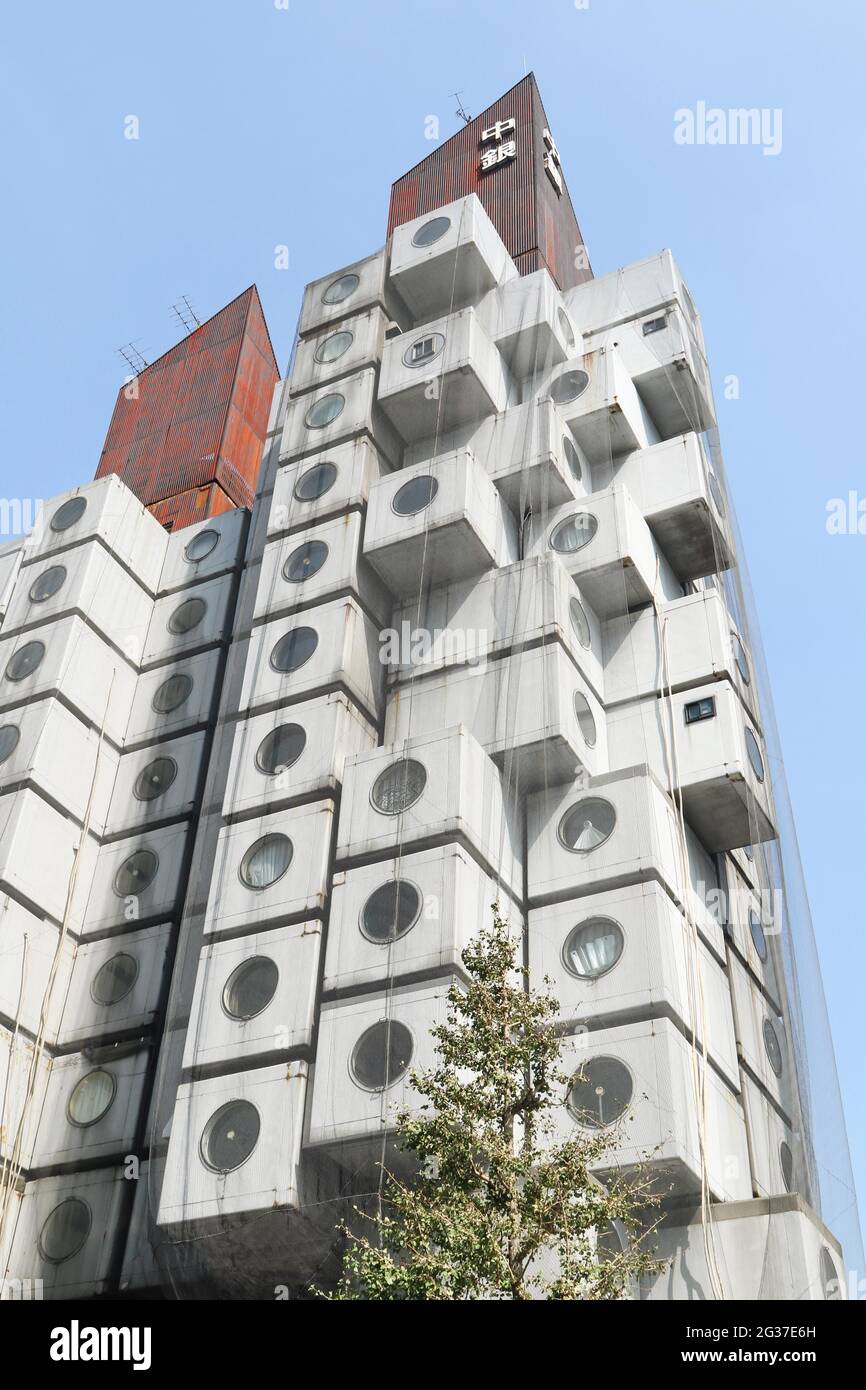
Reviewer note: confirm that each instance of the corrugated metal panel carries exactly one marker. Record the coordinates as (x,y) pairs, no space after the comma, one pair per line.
(187,507)
(201,411)
(537,225)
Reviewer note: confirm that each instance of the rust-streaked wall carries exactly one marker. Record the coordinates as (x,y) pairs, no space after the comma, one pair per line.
(189,445)
(537,225)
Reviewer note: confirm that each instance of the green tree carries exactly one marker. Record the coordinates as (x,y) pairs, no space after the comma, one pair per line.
(497,1206)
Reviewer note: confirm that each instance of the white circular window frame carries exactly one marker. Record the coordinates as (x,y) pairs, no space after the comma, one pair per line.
(45,598)
(281,767)
(206,1133)
(338,333)
(424,361)
(409,804)
(150,882)
(425,245)
(319,567)
(577,926)
(160,758)
(88,1124)
(569,400)
(380,1090)
(565,521)
(390,941)
(309,501)
(101,1003)
(326,424)
(244,965)
(434,492)
(61,1259)
(197,559)
(595,1129)
(180,703)
(570,849)
(264,887)
(338,280)
(282,671)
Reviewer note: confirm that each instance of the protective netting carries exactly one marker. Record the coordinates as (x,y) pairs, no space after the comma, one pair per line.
(544,647)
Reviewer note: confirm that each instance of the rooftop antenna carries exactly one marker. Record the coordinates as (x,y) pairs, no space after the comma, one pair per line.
(132,357)
(186,314)
(460,108)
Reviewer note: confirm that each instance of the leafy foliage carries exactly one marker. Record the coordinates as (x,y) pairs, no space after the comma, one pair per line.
(500,1206)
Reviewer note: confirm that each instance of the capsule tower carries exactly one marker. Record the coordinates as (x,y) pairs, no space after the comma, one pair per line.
(482,634)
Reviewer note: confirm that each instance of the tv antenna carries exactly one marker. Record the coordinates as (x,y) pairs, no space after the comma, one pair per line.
(461,111)
(132,357)
(187,315)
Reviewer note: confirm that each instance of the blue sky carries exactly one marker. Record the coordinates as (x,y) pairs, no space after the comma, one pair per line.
(262,126)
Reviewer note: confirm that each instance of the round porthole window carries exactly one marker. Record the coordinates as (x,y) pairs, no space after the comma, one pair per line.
(266,861)
(786,1163)
(610,1244)
(24,662)
(250,988)
(381,1055)
(201,545)
(340,289)
(294,649)
(332,348)
(230,1136)
(114,979)
(64,1231)
(565,328)
(432,231)
(391,911)
(154,779)
(424,350)
(187,616)
(592,948)
(569,386)
(600,1093)
(172,693)
(580,623)
(754,753)
(280,749)
(585,720)
(758,938)
(415,495)
(324,411)
(399,786)
(772,1046)
(315,482)
(48,584)
(9,736)
(572,458)
(136,873)
(587,824)
(573,533)
(740,659)
(829,1277)
(716,492)
(91,1098)
(68,513)
(304,562)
